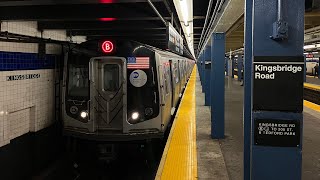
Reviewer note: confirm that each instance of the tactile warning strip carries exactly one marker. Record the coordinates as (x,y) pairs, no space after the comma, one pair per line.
(179,159)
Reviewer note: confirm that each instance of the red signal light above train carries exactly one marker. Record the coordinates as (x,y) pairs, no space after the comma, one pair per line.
(107,46)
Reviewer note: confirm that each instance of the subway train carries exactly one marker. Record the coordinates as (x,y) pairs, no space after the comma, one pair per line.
(310,64)
(121,90)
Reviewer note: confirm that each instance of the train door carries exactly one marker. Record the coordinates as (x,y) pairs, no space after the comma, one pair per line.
(108,93)
(166,93)
(172,81)
(175,79)
(180,76)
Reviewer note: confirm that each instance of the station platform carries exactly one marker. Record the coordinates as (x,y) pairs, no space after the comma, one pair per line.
(313,80)
(190,152)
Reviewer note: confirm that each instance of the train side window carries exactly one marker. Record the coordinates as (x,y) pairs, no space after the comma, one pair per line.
(166,81)
(111,77)
(176,73)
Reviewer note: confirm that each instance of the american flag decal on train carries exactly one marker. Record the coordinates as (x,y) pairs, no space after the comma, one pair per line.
(138,63)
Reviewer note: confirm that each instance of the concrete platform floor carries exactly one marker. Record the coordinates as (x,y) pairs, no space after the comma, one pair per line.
(232,146)
(313,80)
(211,163)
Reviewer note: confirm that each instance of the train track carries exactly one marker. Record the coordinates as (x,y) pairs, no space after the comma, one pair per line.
(311,94)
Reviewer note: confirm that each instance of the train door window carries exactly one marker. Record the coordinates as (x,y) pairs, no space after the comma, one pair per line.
(168,81)
(111,77)
(180,67)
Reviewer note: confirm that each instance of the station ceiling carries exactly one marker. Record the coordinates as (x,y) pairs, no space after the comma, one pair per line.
(235,35)
(121,19)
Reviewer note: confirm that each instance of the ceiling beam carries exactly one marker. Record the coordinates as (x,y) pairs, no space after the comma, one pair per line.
(96,25)
(75,12)
(116,33)
(140,35)
(64,2)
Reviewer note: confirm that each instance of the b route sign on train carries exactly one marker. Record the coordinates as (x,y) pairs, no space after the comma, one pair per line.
(278,83)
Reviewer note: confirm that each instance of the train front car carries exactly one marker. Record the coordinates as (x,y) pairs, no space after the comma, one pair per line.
(113,96)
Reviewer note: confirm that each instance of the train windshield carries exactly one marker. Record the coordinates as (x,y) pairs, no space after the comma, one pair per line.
(111,77)
(78,76)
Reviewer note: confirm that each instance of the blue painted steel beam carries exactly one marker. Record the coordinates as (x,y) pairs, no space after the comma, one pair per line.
(203,70)
(276,162)
(232,66)
(239,66)
(305,69)
(217,85)
(207,75)
(247,89)
(200,68)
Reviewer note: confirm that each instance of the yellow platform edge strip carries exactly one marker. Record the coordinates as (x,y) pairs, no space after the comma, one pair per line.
(179,159)
(312,86)
(311,105)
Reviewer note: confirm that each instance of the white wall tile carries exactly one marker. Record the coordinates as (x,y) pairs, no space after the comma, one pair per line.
(27,105)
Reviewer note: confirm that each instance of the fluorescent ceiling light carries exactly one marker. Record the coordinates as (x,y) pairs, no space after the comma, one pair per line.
(311,46)
(184,10)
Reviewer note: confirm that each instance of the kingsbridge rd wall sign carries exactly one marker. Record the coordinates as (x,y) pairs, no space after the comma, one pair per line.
(278,83)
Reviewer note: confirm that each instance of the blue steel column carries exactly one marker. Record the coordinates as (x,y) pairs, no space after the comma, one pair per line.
(247,89)
(217,85)
(199,67)
(207,75)
(203,70)
(239,64)
(276,162)
(305,69)
(232,66)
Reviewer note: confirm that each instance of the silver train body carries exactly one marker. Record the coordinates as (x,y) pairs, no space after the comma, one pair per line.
(125,97)
(310,64)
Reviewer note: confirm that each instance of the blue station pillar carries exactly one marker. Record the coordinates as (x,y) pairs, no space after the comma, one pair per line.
(217,85)
(276,89)
(232,66)
(207,75)
(198,63)
(247,111)
(305,69)
(203,71)
(200,67)
(239,66)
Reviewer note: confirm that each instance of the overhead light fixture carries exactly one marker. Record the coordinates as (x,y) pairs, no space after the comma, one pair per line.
(185,11)
(188,31)
(311,46)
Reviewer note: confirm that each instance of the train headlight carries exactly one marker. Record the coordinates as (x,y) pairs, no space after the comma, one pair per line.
(83,114)
(135,116)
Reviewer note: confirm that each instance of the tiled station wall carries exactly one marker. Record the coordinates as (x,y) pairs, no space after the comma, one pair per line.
(27,81)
